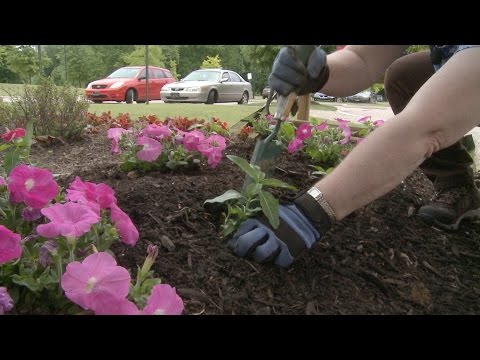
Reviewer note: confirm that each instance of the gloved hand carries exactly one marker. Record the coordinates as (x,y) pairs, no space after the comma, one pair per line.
(301,225)
(290,74)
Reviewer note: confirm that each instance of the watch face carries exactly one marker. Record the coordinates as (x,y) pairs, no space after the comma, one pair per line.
(315,193)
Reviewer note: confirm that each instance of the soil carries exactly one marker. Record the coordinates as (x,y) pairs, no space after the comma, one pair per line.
(379,260)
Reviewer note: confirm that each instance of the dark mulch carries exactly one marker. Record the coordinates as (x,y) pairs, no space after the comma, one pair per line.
(379,260)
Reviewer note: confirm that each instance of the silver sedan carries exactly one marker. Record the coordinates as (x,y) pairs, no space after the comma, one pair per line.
(208,86)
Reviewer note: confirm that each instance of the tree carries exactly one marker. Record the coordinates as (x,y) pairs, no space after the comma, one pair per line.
(211,62)
(137,56)
(83,64)
(6,75)
(172,66)
(23,62)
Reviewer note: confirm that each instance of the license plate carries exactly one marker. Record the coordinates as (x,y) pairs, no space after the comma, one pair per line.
(95,93)
(174,95)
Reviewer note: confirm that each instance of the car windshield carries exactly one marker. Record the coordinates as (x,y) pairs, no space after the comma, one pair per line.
(128,73)
(202,76)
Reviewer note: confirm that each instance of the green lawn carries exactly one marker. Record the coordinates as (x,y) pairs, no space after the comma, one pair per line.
(230,113)
(13,89)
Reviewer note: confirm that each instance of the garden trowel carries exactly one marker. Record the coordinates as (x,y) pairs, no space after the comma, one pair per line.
(268,150)
(247,120)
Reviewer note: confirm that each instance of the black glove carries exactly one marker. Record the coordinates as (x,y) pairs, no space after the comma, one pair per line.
(290,74)
(301,225)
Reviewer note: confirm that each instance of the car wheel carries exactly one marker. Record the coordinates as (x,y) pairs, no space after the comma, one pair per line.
(211,97)
(98,101)
(339,100)
(372,99)
(244,99)
(130,96)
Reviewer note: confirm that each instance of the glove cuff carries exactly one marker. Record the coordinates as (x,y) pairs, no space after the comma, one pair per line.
(315,212)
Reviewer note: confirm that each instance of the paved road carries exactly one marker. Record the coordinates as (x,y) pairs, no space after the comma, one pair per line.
(353,112)
(380,112)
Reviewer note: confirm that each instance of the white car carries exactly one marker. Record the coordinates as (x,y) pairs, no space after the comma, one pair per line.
(208,86)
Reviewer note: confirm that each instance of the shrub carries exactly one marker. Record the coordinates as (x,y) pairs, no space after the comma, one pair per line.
(53,110)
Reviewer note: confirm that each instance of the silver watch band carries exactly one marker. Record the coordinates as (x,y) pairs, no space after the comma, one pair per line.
(318,196)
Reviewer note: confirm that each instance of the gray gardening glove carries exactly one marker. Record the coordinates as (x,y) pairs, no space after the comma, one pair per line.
(301,225)
(290,74)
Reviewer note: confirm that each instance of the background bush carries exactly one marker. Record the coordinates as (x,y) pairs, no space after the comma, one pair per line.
(54,110)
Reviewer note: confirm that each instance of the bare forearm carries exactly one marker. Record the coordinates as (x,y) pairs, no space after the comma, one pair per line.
(357,67)
(435,118)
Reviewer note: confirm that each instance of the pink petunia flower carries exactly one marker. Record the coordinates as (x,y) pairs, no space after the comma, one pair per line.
(192,139)
(13,134)
(217,141)
(347,132)
(97,275)
(163,300)
(126,229)
(304,131)
(107,304)
(10,247)
(156,131)
(214,157)
(322,127)
(115,134)
(294,145)
(32,185)
(6,302)
(151,149)
(69,220)
(378,122)
(95,195)
(364,119)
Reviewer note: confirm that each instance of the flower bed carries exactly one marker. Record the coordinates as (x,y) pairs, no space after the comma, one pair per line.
(379,260)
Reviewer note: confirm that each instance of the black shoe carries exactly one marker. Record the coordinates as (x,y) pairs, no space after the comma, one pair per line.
(450,207)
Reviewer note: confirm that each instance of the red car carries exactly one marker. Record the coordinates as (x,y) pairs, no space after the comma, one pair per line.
(128,84)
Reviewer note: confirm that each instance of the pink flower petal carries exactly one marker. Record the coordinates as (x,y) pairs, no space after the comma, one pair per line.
(151,149)
(96,275)
(10,247)
(107,304)
(163,301)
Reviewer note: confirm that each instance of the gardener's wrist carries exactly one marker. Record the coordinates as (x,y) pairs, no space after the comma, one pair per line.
(316,208)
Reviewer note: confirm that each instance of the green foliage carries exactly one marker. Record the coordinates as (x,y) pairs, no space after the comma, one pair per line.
(416,48)
(324,148)
(82,64)
(211,62)
(255,201)
(137,56)
(53,110)
(172,66)
(22,61)
(6,74)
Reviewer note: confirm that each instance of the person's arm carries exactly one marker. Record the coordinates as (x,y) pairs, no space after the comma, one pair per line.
(435,117)
(356,67)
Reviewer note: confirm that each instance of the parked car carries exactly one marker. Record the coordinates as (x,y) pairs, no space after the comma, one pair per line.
(266,92)
(208,86)
(363,96)
(318,96)
(129,84)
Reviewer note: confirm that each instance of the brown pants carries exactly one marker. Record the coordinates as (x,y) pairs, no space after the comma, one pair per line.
(447,167)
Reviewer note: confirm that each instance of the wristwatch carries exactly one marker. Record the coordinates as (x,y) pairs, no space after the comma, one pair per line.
(318,196)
